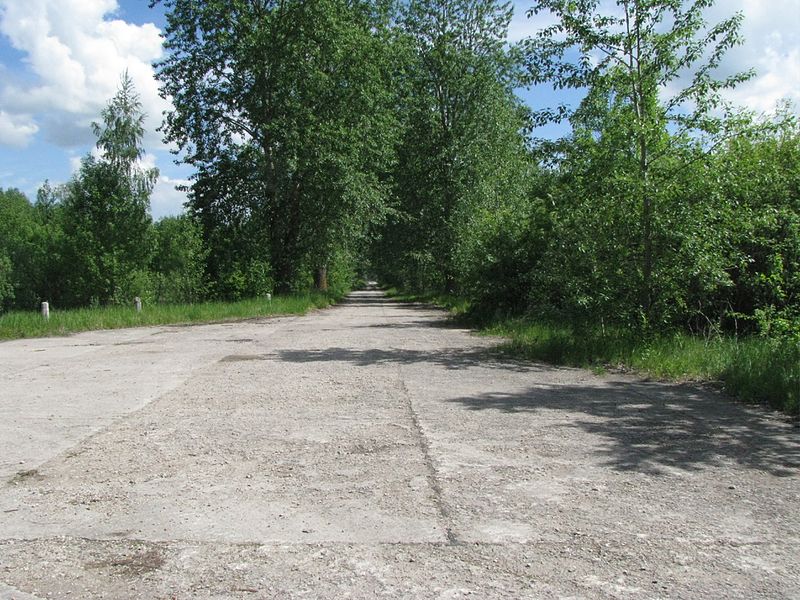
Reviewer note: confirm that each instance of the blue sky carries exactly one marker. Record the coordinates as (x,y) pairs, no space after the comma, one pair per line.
(61,60)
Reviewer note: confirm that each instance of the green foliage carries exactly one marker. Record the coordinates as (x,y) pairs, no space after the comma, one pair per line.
(248,280)
(105,208)
(342,273)
(758,182)
(6,287)
(623,201)
(655,218)
(91,241)
(462,156)
(178,261)
(30,246)
(15,223)
(505,248)
(291,138)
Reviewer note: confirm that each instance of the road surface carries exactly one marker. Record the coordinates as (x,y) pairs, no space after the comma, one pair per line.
(374,450)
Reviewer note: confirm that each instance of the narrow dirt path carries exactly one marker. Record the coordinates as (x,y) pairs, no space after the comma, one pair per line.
(371,450)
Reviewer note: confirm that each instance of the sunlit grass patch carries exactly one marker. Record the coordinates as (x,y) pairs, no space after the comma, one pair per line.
(20,324)
(756,369)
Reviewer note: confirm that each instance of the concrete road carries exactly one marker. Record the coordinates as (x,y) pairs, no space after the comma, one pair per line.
(372,450)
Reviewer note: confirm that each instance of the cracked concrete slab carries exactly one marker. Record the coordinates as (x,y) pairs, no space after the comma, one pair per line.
(374,449)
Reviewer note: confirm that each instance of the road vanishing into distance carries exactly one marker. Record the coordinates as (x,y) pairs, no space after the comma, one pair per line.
(374,450)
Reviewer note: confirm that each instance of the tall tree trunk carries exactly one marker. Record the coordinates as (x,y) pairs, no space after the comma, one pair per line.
(642,118)
(647,248)
(321,278)
(286,252)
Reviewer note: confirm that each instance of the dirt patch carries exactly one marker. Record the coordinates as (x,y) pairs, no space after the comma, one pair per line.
(131,565)
(243,357)
(24,476)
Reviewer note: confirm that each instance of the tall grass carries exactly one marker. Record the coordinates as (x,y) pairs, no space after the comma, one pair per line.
(756,369)
(766,371)
(18,324)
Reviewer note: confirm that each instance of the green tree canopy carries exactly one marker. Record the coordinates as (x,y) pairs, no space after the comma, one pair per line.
(462,152)
(648,67)
(284,108)
(106,207)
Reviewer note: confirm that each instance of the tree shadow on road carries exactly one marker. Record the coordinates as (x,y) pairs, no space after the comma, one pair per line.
(366,301)
(449,358)
(647,427)
(375,300)
(650,426)
(418,324)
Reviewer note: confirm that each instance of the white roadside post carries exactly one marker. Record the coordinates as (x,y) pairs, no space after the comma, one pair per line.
(46,310)
(137,302)
(269,299)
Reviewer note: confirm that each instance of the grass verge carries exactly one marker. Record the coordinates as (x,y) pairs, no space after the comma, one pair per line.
(456,305)
(15,325)
(755,369)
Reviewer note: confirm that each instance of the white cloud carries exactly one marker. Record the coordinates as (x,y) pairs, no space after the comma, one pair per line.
(521,26)
(771,31)
(166,200)
(148,161)
(77,54)
(16,130)
(777,78)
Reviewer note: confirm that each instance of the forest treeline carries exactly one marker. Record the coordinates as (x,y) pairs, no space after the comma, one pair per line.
(91,241)
(340,138)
